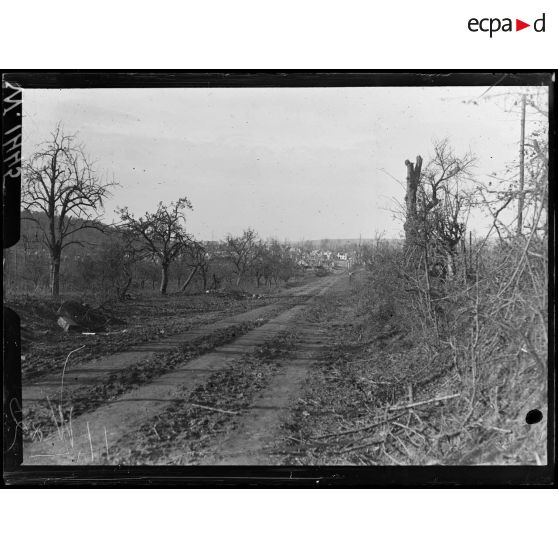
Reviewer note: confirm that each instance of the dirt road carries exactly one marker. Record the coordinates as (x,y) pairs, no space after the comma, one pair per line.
(256,435)
(95,437)
(97,370)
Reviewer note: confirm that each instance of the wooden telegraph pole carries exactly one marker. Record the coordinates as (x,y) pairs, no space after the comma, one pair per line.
(521,168)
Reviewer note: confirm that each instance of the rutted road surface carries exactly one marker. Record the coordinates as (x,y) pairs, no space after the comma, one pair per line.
(254,439)
(88,437)
(97,370)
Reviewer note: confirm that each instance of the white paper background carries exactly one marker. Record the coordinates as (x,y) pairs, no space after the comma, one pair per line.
(273,34)
(279,523)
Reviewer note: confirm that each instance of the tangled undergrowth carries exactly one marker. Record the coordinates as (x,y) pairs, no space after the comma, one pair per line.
(397,389)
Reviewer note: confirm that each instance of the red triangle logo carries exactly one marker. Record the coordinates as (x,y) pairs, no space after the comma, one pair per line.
(519,25)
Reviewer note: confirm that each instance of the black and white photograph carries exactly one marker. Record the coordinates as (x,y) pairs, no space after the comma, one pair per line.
(294,276)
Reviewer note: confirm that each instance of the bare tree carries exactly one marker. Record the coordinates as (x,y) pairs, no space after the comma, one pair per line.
(435,203)
(197,260)
(260,264)
(62,194)
(160,235)
(108,272)
(443,202)
(120,257)
(282,264)
(413,182)
(241,251)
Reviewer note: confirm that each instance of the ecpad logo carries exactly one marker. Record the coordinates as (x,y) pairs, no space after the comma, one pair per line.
(493,25)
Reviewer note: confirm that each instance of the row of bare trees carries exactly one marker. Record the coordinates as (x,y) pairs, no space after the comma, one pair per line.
(161,237)
(267,261)
(63,196)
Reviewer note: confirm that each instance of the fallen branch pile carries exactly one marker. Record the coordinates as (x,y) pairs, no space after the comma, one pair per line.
(389,419)
(395,431)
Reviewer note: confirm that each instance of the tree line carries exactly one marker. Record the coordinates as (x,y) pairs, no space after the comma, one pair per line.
(63,195)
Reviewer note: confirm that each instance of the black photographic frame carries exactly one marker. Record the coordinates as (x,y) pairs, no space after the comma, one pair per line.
(16,474)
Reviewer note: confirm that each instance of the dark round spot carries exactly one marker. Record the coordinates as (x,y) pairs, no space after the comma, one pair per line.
(533,416)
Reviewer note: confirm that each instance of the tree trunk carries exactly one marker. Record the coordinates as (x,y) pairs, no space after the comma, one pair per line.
(238,279)
(55,276)
(450,264)
(521,197)
(122,292)
(413,181)
(164,278)
(187,282)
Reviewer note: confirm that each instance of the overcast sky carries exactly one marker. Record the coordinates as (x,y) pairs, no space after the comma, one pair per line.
(289,162)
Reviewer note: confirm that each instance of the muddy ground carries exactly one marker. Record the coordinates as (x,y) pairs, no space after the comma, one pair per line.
(314,375)
(147,317)
(111,390)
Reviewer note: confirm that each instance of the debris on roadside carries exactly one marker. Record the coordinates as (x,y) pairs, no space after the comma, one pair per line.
(67,324)
(80,317)
(104,333)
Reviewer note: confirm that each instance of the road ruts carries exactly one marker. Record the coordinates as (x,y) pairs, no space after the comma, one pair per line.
(91,434)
